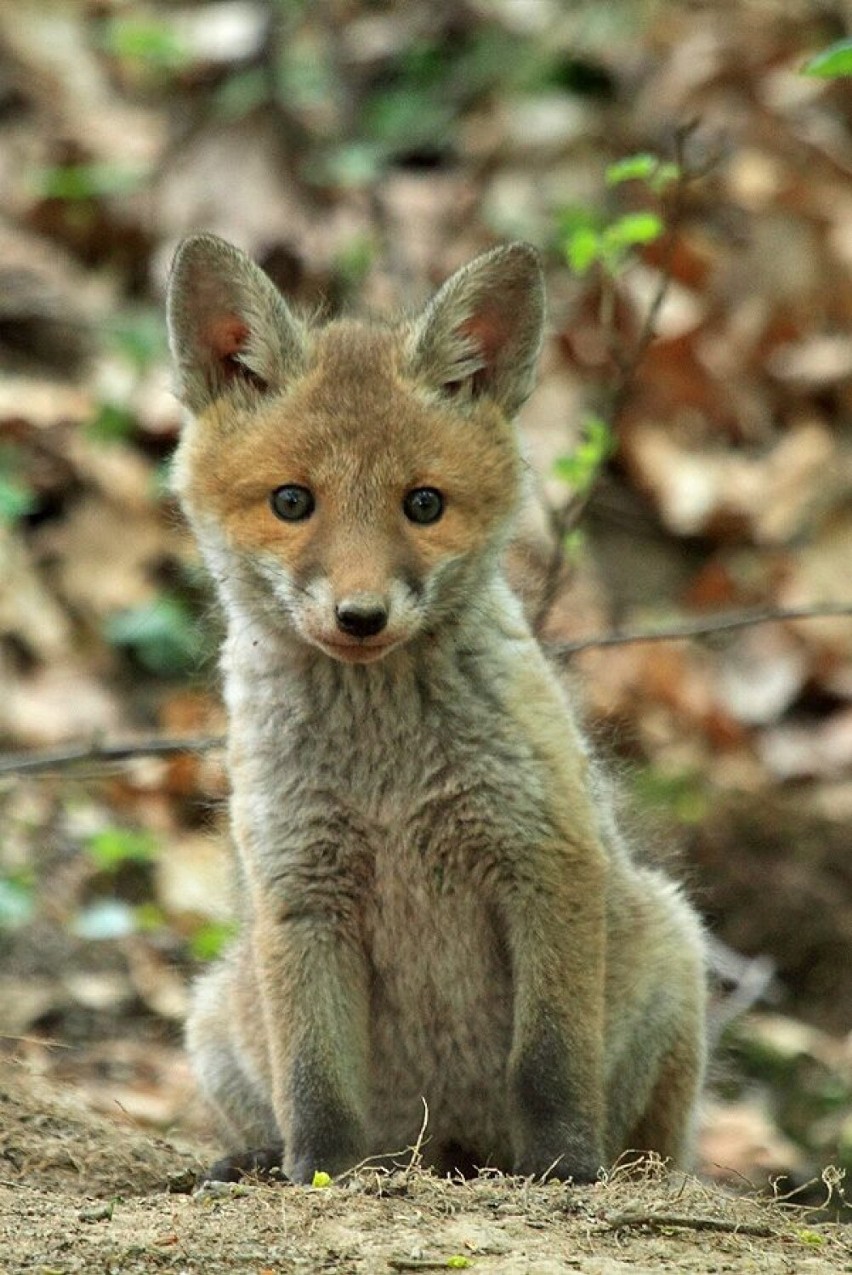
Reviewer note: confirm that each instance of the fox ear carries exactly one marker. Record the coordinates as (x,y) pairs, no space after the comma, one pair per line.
(483,330)
(227,323)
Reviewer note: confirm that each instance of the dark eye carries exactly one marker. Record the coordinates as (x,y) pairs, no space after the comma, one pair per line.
(292,503)
(423,505)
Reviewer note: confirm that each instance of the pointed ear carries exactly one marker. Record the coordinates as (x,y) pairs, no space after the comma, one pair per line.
(227,323)
(482,332)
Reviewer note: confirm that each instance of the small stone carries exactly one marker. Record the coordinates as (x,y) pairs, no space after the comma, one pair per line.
(96,1212)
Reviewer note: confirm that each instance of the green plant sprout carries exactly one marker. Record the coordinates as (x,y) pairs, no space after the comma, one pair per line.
(580,468)
(146,41)
(589,241)
(79,183)
(831,63)
(112,847)
(209,940)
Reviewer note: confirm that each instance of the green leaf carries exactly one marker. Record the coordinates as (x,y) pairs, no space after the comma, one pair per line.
(145,40)
(582,248)
(241,93)
(210,939)
(149,918)
(162,635)
(305,75)
(111,424)
(574,546)
(79,182)
(321,1179)
(16,498)
(354,260)
(112,847)
(633,229)
(17,903)
(354,165)
(573,217)
(832,62)
(655,172)
(810,1237)
(138,333)
(458,1263)
(405,118)
(598,436)
(580,468)
(632,168)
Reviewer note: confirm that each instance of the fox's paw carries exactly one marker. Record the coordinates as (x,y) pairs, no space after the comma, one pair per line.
(258,1162)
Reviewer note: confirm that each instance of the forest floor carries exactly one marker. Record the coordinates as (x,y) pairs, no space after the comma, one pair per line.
(360,160)
(83,1193)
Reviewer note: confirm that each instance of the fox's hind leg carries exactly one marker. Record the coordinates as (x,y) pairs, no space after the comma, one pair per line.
(667,1126)
(656,1035)
(231,1079)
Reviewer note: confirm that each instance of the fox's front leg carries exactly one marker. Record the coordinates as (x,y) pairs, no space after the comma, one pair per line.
(313,983)
(556,1066)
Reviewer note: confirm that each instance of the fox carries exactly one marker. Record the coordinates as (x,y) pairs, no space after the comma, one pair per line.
(436,905)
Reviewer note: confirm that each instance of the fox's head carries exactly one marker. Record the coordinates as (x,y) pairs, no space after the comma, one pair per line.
(354,480)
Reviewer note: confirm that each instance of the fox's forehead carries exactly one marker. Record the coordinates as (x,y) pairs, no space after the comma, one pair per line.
(356,397)
(341,347)
(351,365)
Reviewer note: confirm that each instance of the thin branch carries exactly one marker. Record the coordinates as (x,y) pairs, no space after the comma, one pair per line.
(679,1221)
(565,518)
(725,623)
(158,746)
(419,1263)
(562,521)
(95,751)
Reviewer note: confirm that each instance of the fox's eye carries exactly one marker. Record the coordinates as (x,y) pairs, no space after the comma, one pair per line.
(423,505)
(292,503)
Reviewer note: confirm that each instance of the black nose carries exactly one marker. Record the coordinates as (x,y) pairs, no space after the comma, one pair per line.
(361,619)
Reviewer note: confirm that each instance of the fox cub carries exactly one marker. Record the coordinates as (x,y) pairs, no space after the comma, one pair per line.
(435,903)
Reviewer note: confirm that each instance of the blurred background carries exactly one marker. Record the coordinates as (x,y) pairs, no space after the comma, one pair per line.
(690,188)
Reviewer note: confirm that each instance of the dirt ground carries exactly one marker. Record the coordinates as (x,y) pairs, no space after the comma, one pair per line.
(82,1193)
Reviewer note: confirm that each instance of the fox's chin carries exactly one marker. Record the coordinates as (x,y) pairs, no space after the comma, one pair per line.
(357,652)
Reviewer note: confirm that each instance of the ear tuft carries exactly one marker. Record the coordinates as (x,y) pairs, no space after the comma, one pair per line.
(227,323)
(483,329)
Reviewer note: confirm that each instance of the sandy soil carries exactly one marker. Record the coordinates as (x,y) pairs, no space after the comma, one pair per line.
(81,1193)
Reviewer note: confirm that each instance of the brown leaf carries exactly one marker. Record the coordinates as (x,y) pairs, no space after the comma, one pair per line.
(698,490)
(56,704)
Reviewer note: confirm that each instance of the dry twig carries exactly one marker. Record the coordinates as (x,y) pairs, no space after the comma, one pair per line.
(684,1221)
(705,627)
(418,1264)
(100,753)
